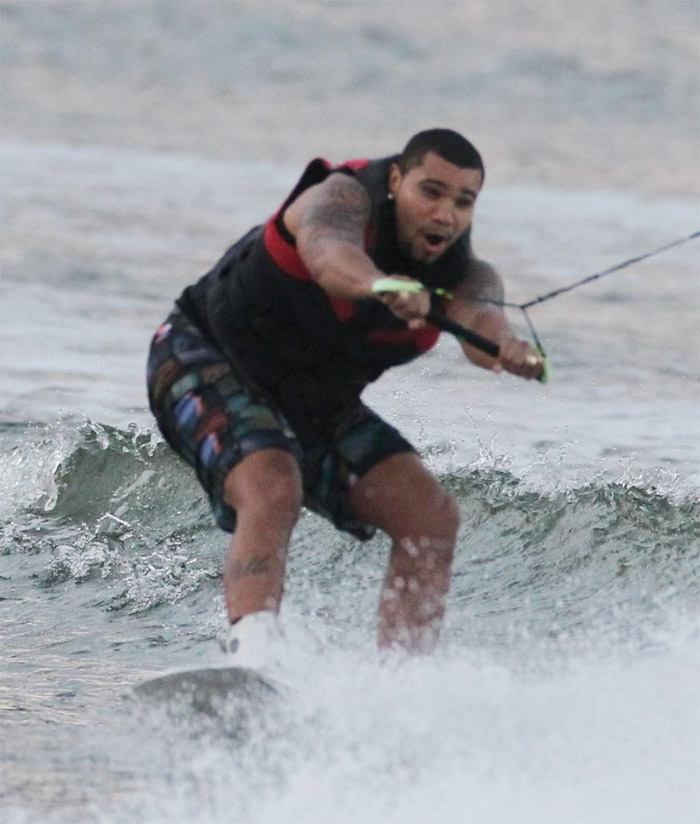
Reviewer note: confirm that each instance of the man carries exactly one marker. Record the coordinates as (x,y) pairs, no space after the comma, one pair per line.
(255,378)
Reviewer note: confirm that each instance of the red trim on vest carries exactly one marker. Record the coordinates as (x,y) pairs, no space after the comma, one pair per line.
(423,339)
(283,253)
(342,309)
(355,165)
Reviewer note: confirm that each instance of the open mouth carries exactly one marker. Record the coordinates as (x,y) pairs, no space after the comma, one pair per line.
(434,241)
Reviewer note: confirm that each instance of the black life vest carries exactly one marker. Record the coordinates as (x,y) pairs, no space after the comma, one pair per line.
(262,307)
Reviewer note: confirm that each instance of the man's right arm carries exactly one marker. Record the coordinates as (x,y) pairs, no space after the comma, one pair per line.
(329,221)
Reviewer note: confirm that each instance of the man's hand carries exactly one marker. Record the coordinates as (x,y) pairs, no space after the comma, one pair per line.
(519,358)
(411,306)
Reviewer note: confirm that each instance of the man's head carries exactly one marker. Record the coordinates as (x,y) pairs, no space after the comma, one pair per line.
(435,182)
(445,143)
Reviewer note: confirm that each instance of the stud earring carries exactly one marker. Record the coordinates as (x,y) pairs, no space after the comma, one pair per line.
(389,196)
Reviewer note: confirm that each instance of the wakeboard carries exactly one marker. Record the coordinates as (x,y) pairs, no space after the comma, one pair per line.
(212,691)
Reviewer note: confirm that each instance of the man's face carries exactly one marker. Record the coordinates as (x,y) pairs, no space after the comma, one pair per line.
(434,205)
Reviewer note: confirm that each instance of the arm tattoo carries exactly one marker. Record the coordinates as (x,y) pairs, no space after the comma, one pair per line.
(259,565)
(341,211)
(483,283)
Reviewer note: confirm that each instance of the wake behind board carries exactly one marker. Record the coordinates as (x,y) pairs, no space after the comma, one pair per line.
(212,691)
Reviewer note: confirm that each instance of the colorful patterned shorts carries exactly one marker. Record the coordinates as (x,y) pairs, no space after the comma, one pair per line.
(213,417)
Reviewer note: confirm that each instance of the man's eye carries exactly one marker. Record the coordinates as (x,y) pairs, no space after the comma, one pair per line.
(465,204)
(434,194)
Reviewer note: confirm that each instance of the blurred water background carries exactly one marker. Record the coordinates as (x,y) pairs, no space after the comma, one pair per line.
(138,140)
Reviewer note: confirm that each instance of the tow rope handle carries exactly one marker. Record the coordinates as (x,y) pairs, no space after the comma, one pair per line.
(463,334)
(480,342)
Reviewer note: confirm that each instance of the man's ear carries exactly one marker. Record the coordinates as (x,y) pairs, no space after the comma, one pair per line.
(395,178)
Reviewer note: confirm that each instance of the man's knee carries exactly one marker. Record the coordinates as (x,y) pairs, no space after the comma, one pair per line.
(268,481)
(404,499)
(430,532)
(437,515)
(448,514)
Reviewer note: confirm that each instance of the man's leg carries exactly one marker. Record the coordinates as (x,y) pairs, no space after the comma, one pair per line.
(405,500)
(265,489)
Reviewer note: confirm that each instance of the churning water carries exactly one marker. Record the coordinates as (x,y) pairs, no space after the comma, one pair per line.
(566,685)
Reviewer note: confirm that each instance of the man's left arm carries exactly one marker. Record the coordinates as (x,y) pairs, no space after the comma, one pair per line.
(477,307)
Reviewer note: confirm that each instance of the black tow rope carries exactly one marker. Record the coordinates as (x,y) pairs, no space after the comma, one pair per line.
(487,346)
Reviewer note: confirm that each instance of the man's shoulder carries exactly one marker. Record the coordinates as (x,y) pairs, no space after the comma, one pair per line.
(373,173)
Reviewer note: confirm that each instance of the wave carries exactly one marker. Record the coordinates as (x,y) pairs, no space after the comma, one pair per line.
(90,503)
(98,504)
(566,569)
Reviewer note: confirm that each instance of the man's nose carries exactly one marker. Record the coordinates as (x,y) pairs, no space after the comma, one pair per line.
(443,212)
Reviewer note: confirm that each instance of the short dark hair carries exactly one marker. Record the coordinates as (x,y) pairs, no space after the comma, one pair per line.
(449,145)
